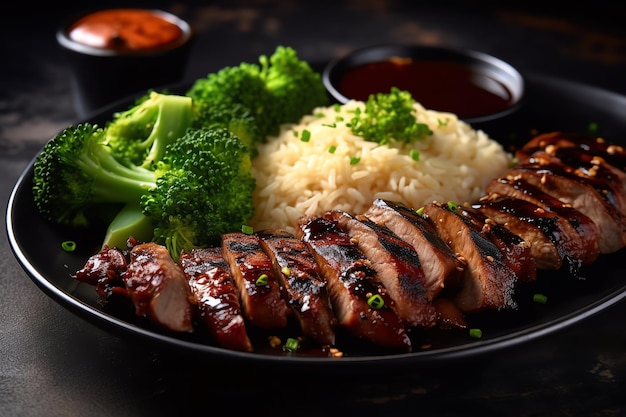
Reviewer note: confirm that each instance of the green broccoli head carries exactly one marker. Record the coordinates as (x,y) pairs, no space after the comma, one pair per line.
(204,189)
(76,170)
(236,118)
(295,87)
(279,89)
(140,134)
(389,117)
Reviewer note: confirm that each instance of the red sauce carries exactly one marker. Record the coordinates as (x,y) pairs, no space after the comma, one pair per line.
(125,30)
(438,85)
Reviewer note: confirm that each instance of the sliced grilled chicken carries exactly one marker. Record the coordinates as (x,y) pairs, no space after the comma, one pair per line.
(582,196)
(554,242)
(442,267)
(573,221)
(302,284)
(253,272)
(216,297)
(158,287)
(515,250)
(593,146)
(104,270)
(397,266)
(487,283)
(352,282)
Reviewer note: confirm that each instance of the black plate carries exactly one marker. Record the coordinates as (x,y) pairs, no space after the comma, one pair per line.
(551,105)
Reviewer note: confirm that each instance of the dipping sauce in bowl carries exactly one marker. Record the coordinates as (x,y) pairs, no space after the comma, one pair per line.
(127,30)
(115,53)
(473,85)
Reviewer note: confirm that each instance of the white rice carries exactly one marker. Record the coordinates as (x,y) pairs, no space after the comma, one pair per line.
(297,178)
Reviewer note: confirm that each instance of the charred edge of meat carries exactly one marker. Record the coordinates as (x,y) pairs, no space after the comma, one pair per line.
(216,297)
(301,282)
(351,283)
(262,302)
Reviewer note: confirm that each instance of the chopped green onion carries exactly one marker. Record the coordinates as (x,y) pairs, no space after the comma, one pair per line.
(414,154)
(476,333)
(443,123)
(337,107)
(376,301)
(292,344)
(306,136)
(332,149)
(247,229)
(262,280)
(286,271)
(354,160)
(540,298)
(339,118)
(329,124)
(420,211)
(452,206)
(593,128)
(68,246)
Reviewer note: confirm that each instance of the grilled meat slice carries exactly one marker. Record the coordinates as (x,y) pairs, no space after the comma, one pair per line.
(570,161)
(554,242)
(352,282)
(573,221)
(216,297)
(488,283)
(158,287)
(515,250)
(253,272)
(302,284)
(593,146)
(104,270)
(442,267)
(581,195)
(397,266)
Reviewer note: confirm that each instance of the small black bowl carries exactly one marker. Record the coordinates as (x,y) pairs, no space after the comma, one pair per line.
(475,86)
(103,75)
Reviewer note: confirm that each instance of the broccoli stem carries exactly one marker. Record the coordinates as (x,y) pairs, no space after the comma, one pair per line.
(172,121)
(129,222)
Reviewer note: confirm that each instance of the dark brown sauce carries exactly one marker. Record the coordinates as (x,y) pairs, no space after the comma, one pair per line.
(438,85)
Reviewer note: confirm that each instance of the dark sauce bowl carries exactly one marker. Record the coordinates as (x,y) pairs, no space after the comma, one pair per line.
(475,86)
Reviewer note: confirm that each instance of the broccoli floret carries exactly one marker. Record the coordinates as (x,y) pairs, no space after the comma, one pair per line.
(295,87)
(204,189)
(140,134)
(236,118)
(279,89)
(76,170)
(389,117)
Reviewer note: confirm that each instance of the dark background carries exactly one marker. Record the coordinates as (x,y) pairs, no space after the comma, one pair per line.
(53,363)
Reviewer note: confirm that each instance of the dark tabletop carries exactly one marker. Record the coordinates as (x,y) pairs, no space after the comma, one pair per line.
(55,363)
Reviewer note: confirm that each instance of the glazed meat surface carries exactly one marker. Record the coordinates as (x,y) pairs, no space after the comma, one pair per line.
(254,276)
(158,287)
(351,283)
(216,297)
(302,284)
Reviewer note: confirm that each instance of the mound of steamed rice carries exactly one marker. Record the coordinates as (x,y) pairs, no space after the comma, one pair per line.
(297,177)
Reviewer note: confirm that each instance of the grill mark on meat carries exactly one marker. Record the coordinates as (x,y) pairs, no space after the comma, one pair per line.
(158,287)
(575,192)
(554,242)
(515,250)
(613,154)
(397,266)
(574,219)
(262,305)
(487,282)
(442,267)
(303,287)
(216,297)
(351,282)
